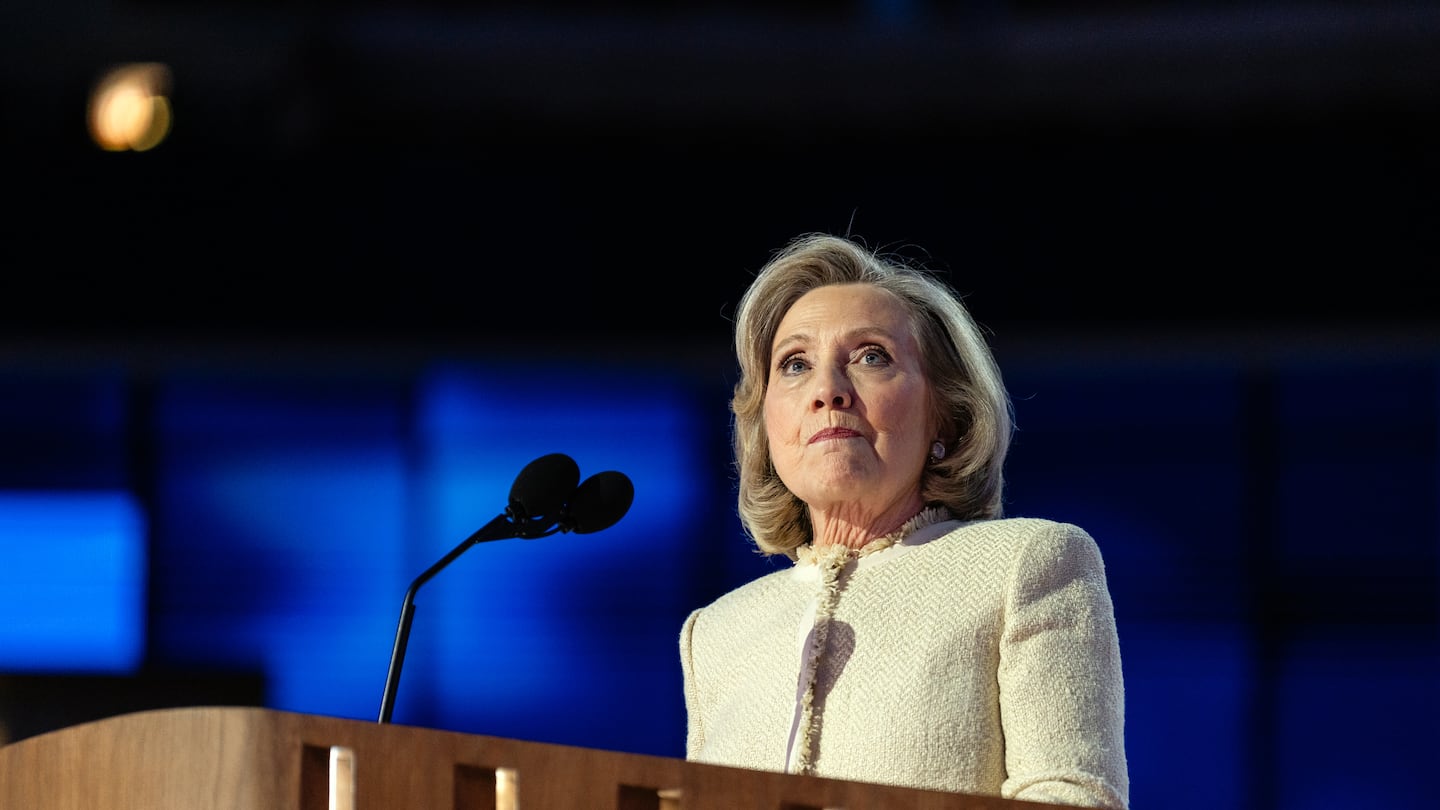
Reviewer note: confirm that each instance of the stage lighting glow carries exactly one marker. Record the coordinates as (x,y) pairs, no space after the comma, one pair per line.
(129,108)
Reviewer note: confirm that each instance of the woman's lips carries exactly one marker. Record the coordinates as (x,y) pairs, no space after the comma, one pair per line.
(833,433)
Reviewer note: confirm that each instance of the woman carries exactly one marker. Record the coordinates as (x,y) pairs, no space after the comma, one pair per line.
(921,638)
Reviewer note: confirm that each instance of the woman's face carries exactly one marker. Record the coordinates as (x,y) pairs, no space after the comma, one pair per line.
(846,406)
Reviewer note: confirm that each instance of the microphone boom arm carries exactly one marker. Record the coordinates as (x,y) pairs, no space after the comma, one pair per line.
(498,529)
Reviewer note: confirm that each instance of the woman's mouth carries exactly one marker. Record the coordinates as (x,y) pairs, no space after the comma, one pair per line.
(833,433)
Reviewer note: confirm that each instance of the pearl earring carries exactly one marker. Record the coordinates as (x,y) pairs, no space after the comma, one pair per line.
(937,451)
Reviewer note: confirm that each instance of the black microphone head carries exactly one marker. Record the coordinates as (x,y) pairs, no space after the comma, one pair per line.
(543,486)
(599,503)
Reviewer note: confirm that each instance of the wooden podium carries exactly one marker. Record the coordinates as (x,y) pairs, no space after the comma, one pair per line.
(245,758)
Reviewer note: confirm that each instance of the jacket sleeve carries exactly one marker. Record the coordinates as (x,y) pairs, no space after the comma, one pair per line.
(1062,694)
(694,729)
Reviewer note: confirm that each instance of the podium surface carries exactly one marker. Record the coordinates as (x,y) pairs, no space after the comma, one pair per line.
(246,758)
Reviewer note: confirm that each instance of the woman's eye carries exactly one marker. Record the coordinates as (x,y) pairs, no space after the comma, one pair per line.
(792,365)
(874,356)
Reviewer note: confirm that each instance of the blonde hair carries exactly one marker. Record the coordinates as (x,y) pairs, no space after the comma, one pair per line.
(970,402)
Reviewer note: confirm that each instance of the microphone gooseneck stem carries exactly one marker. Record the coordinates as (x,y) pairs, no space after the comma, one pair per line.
(397,656)
(497,529)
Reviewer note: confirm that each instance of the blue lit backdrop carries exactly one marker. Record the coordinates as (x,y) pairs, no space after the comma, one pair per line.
(1270,527)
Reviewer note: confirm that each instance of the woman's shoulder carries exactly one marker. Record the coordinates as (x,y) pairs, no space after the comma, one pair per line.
(1017,536)
(753,594)
(1016,527)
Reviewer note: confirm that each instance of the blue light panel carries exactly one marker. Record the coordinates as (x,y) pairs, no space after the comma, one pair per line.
(72,588)
(281,512)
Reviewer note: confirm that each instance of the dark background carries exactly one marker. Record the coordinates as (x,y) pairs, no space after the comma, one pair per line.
(1203,236)
(443,170)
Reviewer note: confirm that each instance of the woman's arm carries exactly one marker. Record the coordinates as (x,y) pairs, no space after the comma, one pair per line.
(1062,694)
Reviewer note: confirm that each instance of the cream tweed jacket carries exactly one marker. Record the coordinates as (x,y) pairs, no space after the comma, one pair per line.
(973,657)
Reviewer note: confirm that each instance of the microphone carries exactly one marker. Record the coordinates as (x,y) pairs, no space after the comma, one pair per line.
(597,504)
(546,497)
(540,492)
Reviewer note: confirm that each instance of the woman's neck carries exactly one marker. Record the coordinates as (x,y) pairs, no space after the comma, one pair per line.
(843,528)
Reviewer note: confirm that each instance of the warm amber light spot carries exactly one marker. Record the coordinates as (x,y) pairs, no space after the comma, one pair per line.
(129,108)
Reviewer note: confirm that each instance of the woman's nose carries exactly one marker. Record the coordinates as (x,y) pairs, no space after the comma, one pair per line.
(833,391)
